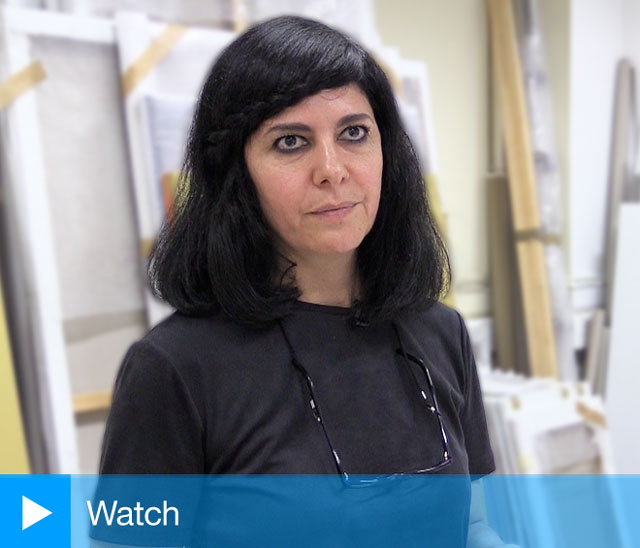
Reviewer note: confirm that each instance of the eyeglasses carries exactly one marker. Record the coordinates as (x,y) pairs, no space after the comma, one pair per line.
(430,405)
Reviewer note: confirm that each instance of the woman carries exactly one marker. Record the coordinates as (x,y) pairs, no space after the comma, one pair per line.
(305,268)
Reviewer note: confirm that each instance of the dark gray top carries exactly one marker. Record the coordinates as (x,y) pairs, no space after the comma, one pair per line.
(205,395)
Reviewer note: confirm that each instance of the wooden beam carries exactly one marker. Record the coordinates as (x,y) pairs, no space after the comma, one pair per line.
(91,402)
(532,274)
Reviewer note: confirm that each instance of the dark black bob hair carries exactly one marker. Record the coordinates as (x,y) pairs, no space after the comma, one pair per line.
(217,253)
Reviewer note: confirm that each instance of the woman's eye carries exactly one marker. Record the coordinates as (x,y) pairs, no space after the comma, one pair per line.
(289,142)
(355,133)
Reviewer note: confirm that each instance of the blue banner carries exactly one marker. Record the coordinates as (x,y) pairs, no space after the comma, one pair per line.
(322,511)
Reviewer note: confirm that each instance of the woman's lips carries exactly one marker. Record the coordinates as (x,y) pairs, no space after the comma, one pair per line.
(337,211)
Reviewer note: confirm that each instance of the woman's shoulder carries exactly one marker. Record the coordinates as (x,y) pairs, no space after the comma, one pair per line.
(179,328)
(196,353)
(439,331)
(437,319)
(182,339)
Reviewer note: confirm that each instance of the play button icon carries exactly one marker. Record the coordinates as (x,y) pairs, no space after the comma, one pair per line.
(32,513)
(35,510)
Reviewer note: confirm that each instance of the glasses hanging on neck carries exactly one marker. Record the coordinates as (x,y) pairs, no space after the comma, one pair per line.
(429,403)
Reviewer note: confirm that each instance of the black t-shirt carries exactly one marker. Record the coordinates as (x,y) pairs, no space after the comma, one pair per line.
(204,395)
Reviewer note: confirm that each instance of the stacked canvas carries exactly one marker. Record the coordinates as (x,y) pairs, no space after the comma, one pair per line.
(551,445)
(542,426)
(74,280)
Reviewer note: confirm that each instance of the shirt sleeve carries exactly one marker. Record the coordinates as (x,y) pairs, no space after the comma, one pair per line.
(474,424)
(154,426)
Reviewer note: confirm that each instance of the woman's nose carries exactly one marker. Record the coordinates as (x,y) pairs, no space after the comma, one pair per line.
(329,165)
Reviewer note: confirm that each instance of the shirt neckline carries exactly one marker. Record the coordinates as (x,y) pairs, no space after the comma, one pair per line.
(323,308)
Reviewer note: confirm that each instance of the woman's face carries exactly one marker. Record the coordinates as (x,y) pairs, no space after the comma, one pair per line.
(317,168)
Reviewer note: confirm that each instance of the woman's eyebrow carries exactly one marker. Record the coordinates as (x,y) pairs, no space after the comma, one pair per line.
(288,127)
(353,118)
(348,119)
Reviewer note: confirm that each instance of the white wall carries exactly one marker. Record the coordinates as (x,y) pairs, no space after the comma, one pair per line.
(631,31)
(597,41)
(451,37)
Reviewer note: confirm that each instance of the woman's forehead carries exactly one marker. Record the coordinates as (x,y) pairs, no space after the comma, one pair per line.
(349,99)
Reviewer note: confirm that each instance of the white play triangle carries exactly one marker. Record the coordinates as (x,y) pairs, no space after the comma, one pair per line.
(32,513)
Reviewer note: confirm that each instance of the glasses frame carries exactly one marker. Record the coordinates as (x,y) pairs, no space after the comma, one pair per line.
(361,480)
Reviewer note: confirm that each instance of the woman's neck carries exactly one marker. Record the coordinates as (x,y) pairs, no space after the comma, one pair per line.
(329,279)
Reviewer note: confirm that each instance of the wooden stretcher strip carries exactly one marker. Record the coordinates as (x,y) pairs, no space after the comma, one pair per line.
(522,235)
(91,402)
(21,82)
(591,415)
(155,53)
(525,216)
